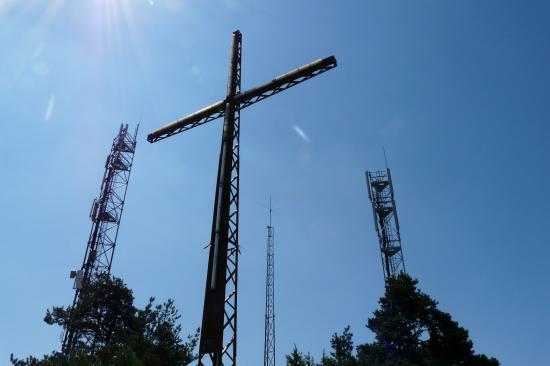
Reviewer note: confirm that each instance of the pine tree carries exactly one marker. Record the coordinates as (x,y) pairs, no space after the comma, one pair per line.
(122,334)
(410,330)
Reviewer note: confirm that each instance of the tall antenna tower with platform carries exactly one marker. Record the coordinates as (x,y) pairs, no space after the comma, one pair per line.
(269,341)
(382,197)
(105,214)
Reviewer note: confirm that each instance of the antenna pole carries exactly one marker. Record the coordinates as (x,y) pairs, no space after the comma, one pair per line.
(269,341)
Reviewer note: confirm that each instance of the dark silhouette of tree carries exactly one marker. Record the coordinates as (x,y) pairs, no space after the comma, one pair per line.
(409,331)
(342,350)
(297,358)
(122,334)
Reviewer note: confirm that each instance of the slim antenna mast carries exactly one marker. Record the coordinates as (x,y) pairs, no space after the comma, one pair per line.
(269,341)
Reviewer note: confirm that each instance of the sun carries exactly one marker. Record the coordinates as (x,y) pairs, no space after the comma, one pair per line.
(103,15)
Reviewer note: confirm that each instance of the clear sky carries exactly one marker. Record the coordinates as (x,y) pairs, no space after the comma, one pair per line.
(456,91)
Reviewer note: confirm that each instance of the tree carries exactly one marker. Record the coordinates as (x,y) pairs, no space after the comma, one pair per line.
(342,350)
(410,330)
(119,333)
(341,354)
(297,358)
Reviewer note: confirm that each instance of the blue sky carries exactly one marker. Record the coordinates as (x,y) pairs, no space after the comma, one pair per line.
(456,91)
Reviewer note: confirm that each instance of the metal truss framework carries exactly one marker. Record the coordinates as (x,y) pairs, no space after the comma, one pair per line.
(381,195)
(218,340)
(245,99)
(269,340)
(106,213)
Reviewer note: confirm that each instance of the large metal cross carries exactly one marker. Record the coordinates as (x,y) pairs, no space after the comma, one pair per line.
(219,318)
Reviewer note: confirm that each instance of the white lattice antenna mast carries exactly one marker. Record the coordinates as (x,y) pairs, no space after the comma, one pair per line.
(269,345)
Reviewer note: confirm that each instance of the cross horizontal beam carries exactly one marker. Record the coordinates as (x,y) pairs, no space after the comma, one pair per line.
(244,99)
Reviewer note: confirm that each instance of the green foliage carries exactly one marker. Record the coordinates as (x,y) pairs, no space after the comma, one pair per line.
(126,357)
(55,359)
(342,350)
(296,358)
(106,314)
(122,333)
(409,331)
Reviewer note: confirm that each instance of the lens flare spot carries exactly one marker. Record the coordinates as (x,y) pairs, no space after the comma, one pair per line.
(301,133)
(49,108)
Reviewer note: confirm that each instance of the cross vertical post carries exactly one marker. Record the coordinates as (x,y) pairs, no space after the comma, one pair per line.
(219,312)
